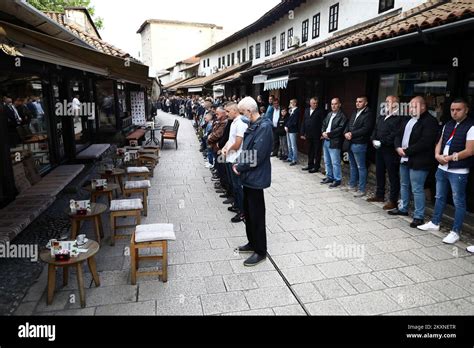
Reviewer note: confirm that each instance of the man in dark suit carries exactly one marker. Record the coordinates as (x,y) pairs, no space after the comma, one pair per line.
(415,145)
(311,132)
(357,132)
(333,128)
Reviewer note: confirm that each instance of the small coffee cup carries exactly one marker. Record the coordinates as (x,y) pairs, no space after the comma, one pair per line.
(81,239)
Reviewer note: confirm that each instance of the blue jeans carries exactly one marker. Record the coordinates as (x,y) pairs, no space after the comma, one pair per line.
(458,183)
(413,181)
(332,160)
(292,147)
(357,159)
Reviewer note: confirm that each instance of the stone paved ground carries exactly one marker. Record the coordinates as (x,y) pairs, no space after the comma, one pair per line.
(376,264)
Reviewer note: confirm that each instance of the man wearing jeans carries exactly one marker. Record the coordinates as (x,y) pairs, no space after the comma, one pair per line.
(455,154)
(292,131)
(333,128)
(415,144)
(232,151)
(358,131)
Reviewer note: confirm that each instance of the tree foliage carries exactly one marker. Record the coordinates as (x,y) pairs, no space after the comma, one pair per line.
(59,5)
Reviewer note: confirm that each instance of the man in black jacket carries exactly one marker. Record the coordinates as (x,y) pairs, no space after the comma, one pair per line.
(333,128)
(415,145)
(357,132)
(387,160)
(311,132)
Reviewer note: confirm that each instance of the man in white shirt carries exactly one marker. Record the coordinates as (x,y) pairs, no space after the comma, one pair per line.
(275,118)
(455,154)
(232,151)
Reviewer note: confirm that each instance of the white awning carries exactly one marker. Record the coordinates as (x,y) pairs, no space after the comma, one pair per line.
(217,88)
(195,89)
(257,79)
(277,83)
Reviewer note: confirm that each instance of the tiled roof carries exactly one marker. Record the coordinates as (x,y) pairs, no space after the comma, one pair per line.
(207,80)
(191,60)
(228,79)
(428,15)
(93,41)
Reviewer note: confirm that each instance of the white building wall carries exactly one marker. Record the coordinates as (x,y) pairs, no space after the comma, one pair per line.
(165,44)
(351,12)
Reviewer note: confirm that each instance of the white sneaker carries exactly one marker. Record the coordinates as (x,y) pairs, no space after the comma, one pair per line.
(452,238)
(359,194)
(429,227)
(471,249)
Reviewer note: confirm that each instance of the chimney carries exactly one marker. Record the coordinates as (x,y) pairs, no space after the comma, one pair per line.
(80,17)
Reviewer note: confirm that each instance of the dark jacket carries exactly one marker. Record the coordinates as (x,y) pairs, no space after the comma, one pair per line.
(293,121)
(337,129)
(386,130)
(312,124)
(282,123)
(361,128)
(458,143)
(254,163)
(225,137)
(218,129)
(422,142)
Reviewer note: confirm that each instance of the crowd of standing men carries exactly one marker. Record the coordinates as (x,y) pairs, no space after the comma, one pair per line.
(408,147)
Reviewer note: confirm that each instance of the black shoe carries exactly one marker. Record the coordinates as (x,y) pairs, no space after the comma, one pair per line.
(238,218)
(228,201)
(284,159)
(220,191)
(233,209)
(245,249)
(327,181)
(397,212)
(293,164)
(416,223)
(225,195)
(307,168)
(254,260)
(335,184)
(274,155)
(313,171)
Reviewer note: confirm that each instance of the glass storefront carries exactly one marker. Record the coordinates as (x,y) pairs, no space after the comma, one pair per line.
(430,85)
(27,120)
(106,105)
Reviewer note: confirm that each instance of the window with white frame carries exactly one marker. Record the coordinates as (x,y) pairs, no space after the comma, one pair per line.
(258,48)
(385,5)
(251,53)
(267,48)
(282,41)
(274,45)
(290,37)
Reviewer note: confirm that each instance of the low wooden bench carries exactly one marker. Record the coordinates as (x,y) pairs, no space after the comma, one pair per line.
(170,134)
(137,135)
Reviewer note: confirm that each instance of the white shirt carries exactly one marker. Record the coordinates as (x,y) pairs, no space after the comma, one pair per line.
(407,135)
(328,130)
(276,117)
(469,137)
(76,104)
(237,129)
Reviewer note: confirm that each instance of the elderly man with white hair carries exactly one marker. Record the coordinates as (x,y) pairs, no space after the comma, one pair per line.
(255,169)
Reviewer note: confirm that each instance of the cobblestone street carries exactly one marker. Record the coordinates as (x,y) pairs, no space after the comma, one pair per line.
(331,254)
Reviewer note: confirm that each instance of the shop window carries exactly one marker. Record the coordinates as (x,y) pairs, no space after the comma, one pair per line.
(430,85)
(106,105)
(28,119)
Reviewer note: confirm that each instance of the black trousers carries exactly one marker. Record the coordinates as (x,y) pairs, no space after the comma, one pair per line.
(254,210)
(276,142)
(387,160)
(314,153)
(222,173)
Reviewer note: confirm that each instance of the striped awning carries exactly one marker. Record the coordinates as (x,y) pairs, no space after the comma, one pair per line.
(276,83)
(257,79)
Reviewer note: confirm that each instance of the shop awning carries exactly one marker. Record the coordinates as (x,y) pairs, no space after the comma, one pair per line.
(209,80)
(46,48)
(276,83)
(257,79)
(195,89)
(217,88)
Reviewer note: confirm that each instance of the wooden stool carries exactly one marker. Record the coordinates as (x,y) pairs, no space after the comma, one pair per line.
(156,149)
(138,172)
(124,208)
(149,161)
(146,237)
(138,187)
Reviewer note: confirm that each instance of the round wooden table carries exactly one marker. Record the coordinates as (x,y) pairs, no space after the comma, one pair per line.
(92,249)
(107,191)
(116,175)
(97,210)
